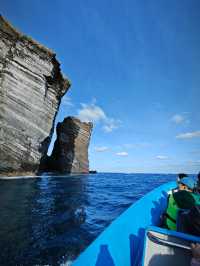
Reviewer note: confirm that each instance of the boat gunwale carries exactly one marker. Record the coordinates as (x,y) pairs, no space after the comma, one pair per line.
(107,232)
(168,232)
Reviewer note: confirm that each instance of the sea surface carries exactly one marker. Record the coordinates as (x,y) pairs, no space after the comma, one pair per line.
(49,220)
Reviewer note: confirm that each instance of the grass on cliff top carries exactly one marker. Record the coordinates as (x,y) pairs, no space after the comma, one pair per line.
(8,28)
(16,34)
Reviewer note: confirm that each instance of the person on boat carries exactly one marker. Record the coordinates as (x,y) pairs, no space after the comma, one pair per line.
(189,221)
(195,248)
(178,181)
(183,198)
(186,183)
(181,176)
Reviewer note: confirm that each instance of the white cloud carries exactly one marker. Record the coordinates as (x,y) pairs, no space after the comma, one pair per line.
(111,124)
(162,157)
(178,119)
(122,153)
(93,113)
(181,118)
(101,149)
(66,101)
(189,135)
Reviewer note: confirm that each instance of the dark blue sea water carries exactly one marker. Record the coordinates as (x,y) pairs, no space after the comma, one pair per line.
(49,220)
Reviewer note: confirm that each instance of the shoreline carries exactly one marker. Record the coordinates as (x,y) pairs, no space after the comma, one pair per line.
(27,175)
(17,175)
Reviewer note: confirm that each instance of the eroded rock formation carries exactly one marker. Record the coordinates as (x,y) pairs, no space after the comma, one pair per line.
(70,152)
(31,87)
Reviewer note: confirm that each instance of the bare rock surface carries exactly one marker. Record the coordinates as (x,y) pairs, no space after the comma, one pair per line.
(70,152)
(31,87)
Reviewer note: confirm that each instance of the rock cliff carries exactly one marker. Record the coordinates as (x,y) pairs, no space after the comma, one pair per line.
(70,152)
(31,87)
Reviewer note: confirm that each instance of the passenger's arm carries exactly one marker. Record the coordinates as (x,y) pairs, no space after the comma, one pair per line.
(195,255)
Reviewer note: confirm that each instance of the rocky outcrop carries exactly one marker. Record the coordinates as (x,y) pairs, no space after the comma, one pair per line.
(70,152)
(31,87)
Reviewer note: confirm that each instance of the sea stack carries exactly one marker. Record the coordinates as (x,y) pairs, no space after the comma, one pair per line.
(70,152)
(31,88)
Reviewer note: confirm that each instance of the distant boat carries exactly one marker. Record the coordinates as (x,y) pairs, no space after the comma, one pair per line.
(92,172)
(134,238)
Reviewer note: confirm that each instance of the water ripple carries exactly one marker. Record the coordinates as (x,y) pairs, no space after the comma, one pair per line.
(49,220)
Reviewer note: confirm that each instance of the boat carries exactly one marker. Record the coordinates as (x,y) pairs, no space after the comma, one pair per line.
(165,247)
(93,172)
(135,238)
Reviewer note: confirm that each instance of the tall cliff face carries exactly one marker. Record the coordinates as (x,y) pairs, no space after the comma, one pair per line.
(70,152)
(31,87)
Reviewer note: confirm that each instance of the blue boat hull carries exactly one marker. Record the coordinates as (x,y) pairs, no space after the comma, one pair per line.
(121,244)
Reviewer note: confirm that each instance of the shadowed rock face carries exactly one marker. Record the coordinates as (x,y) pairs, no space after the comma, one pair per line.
(70,152)
(31,87)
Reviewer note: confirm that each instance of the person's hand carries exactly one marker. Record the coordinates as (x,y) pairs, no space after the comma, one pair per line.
(195,251)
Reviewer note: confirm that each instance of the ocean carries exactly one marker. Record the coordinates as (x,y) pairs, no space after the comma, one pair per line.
(49,220)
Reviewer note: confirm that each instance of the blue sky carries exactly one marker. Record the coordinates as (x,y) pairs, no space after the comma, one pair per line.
(135,72)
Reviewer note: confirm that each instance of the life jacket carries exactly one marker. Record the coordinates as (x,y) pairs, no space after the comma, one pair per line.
(171,213)
(176,203)
(196,198)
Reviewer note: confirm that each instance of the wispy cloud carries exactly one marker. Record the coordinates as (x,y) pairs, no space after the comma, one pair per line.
(122,153)
(137,145)
(178,119)
(162,157)
(91,113)
(101,149)
(94,113)
(189,135)
(67,102)
(111,124)
(181,118)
